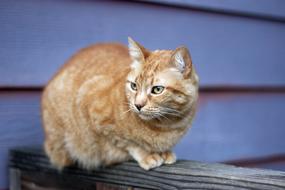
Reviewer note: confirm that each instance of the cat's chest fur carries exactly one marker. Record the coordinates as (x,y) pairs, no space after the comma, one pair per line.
(153,139)
(111,118)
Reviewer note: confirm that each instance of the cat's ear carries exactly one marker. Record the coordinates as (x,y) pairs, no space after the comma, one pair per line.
(137,52)
(182,61)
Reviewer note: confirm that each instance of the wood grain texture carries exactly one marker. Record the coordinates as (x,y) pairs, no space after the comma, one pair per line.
(228,126)
(226,50)
(47,181)
(14,179)
(183,175)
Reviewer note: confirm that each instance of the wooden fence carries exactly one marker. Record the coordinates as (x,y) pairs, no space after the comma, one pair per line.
(31,170)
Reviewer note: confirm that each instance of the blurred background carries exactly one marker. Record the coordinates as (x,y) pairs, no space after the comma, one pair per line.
(237,47)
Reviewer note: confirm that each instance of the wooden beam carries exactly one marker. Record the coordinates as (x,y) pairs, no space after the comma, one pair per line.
(15,179)
(36,171)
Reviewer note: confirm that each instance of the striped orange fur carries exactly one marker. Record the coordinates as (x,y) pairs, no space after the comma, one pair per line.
(109,104)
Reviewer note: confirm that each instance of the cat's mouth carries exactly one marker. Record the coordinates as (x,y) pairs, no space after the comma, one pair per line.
(167,114)
(146,116)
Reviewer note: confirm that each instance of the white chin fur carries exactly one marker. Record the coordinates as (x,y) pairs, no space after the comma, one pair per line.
(146,117)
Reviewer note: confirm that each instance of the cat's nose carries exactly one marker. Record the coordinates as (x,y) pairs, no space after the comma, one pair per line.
(139,106)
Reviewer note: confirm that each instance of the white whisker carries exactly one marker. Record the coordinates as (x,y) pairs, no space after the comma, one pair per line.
(161,115)
(170,112)
(127,111)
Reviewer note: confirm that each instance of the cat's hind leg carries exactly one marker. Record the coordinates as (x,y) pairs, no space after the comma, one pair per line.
(54,144)
(58,155)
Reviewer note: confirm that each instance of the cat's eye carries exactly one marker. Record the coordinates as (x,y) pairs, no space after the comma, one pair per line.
(157,89)
(133,86)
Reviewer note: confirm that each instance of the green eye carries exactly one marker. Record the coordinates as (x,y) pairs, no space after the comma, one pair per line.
(133,86)
(157,89)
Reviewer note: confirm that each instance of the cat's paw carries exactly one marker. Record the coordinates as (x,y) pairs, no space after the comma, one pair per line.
(151,161)
(58,157)
(60,162)
(168,157)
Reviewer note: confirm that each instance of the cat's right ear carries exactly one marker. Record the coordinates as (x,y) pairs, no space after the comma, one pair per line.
(182,60)
(137,52)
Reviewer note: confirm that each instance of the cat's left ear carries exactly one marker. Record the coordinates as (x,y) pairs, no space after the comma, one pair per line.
(182,60)
(137,52)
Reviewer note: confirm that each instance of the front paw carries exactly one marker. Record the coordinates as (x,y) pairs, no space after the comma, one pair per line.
(151,161)
(168,157)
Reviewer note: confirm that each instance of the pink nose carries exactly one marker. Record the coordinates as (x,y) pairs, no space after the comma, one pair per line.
(139,106)
(140,101)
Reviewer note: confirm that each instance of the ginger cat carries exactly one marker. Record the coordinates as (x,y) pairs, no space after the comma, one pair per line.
(109,104)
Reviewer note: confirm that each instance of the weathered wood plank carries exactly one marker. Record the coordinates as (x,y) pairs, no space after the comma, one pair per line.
(183,175)
(61,181)
(35,42)
(15,179)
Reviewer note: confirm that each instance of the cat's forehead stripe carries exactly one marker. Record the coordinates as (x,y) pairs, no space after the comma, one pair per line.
(154,63)
(161,56)
(148,72)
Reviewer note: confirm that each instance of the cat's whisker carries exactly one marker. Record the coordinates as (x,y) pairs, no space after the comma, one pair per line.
(176,115)
(171,110)
(131,108)
(127,111)
(171,113)
(164,117)
(159,115)
(127,103)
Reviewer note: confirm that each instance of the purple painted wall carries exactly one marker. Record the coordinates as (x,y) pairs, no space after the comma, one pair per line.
(238,50)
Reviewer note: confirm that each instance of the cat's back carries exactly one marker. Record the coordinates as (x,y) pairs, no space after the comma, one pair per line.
(104,61)
(102,58)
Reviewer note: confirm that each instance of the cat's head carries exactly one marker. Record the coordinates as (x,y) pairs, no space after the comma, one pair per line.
(161,84)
